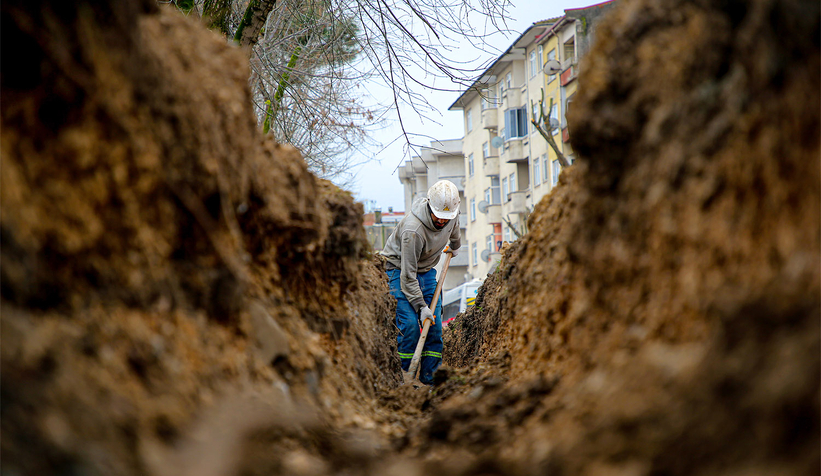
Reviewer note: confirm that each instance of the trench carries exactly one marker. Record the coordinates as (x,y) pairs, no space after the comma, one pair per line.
(181,296)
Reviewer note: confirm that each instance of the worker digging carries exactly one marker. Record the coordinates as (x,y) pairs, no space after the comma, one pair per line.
(412,251)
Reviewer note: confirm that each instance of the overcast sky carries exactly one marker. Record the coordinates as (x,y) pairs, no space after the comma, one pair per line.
(377,179)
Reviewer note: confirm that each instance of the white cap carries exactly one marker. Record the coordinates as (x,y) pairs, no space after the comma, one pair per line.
(444,200)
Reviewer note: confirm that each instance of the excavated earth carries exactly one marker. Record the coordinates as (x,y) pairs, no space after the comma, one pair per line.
(180,296)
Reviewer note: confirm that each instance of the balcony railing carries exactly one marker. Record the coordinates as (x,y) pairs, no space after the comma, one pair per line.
(494,213)
(462,259)
(490,119)
(515,151)
(491,166)
(517,202)
(569,74)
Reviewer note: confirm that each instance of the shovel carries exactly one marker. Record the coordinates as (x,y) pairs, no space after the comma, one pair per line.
(410,375)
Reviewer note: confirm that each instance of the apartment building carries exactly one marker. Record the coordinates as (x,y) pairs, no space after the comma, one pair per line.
(508,165)
(379,225)
(441,160)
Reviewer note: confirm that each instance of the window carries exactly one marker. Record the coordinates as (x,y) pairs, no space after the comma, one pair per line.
(472,209)
(541,55)
(551,55)
(488,99)
(470,165)
(489,243)
(534,113)
(485,150)
(509,81)
(515,123)
(556,170)
(570,50)
(487,196)
(533,64)
(469,120)
(505,189)
(507,233)
(554,119)
(536,176)
(502,135)
(501,88)
(475,252)
(546,168)
(512,179)
(495,190)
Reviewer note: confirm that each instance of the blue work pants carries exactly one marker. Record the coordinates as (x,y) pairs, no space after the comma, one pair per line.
(408,323)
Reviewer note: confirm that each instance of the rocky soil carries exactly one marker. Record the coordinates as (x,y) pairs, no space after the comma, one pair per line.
(181,296)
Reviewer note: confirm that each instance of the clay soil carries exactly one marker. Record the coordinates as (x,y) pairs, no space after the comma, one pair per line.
(180,296)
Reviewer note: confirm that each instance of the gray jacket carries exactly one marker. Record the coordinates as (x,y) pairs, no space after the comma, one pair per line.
(415,246)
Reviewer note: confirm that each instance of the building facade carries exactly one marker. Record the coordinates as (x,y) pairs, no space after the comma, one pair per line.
(379,225)
(508,165)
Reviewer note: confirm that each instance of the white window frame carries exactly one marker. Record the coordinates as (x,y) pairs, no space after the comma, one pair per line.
(557,169)
(509,81)
(471,168)
(546,168)
(505,190)
(485,150)
(472,209)
(495,188)
(513,185)
(537,180)
(475,251)
(533,68)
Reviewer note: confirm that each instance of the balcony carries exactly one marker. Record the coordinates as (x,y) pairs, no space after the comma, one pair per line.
(491,166)
(404,173)
(490,118)
(462,259)
(517,202)
(569,74)
(495,257)
(514,151)
(419,166)
(494,213)
(512,97)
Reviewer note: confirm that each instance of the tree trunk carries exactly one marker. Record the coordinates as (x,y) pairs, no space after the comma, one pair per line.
(273,106)
(252,21)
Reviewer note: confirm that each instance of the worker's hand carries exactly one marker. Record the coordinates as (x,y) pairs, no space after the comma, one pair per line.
(454,253)
(425,314)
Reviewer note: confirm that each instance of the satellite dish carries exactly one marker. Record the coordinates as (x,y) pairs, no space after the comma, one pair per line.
(497,142)
(485,255)
(552,67)
(554,123)
(483,206)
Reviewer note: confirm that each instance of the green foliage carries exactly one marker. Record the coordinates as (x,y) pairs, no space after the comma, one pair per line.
(217,14)
(185,5)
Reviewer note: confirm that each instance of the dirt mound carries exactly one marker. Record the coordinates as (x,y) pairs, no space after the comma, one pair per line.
(670,285)
(162,262)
